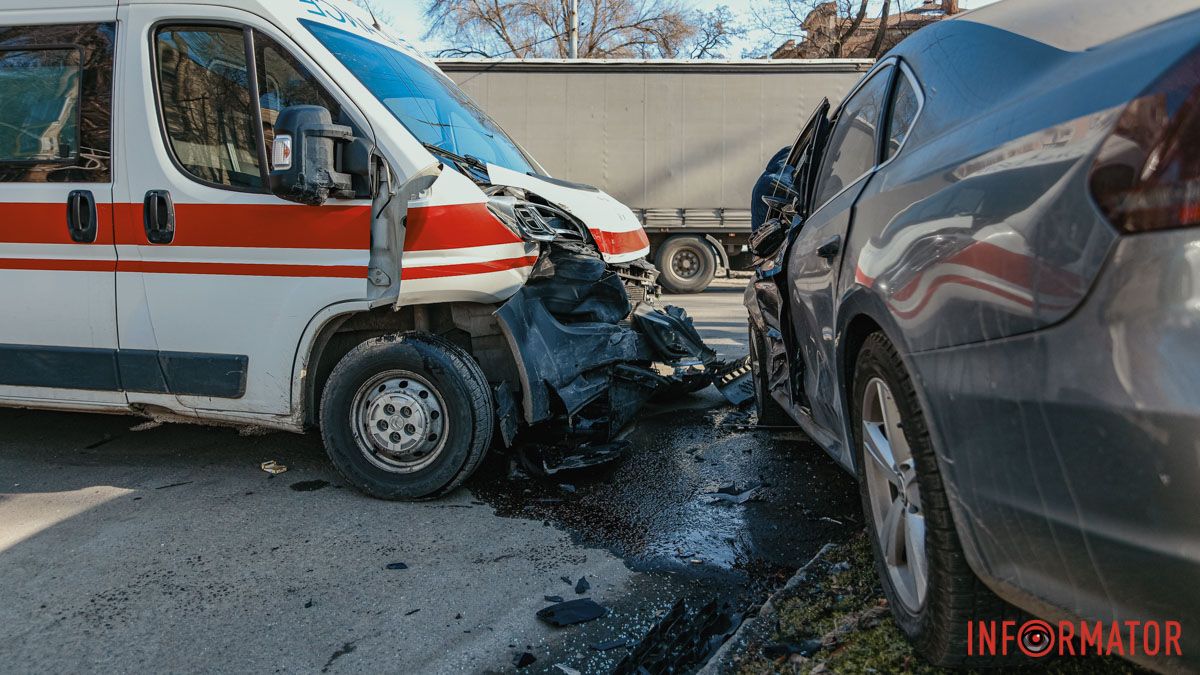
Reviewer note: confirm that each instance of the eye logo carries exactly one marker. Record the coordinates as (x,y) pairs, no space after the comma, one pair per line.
(1036,638)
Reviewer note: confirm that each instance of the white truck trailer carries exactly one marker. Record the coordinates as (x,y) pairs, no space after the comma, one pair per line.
(680,142)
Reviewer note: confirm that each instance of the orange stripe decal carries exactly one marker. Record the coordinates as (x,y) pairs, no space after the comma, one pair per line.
(58,265)
(243,269)
(27,223)
(256,226)
(439,271)
(432,228)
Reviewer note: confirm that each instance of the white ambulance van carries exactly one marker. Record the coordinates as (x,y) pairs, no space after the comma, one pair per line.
(275,213)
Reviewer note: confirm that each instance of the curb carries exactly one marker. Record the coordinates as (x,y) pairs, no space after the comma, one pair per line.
(715,663)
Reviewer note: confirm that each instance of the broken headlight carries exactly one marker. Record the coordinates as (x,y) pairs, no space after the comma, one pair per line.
(532,221)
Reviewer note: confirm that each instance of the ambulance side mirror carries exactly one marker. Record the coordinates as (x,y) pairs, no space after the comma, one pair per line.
(313,159)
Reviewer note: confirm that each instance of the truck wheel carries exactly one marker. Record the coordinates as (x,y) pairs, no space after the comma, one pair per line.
(770,413)
(686,265)
(406,416)
(932,591)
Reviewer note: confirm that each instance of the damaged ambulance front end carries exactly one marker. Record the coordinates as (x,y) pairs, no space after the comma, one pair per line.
(573,297)
(591,346)
(545,280)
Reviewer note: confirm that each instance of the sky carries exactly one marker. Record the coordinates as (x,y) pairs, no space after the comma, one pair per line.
(410,22)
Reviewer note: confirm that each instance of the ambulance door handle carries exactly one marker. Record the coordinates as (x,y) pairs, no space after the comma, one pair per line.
(81,216)
(158,215)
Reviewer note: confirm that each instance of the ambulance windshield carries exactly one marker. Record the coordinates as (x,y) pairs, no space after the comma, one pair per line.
(428,104)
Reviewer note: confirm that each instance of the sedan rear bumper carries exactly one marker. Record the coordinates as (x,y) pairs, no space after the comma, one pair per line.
(1072,454)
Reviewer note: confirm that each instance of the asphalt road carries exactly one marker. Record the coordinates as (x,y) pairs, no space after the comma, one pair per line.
(131,547)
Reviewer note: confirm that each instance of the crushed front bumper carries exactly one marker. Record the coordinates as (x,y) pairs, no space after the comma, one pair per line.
(588,355)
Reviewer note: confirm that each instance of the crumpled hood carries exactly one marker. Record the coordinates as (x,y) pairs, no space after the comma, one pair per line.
(617,231)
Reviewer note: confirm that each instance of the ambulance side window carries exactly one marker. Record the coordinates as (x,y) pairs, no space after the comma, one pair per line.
(56,103)
(283,82)
(204,95)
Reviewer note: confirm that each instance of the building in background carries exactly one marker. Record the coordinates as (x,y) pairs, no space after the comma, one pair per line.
(831,31)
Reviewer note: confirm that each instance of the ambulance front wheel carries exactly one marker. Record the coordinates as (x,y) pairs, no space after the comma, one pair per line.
(406,416)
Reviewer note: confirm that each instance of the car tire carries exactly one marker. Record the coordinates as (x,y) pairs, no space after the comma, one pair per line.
(935,620)
(770,413)
(407,416)
(686,265)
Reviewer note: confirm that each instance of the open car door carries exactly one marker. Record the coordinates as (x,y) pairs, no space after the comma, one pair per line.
(789,203)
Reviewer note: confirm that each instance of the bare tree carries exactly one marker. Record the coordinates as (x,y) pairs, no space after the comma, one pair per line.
(881,32)
(717,29)
(607,28)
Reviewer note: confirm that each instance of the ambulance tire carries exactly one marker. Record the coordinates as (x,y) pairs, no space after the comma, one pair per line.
(447,423)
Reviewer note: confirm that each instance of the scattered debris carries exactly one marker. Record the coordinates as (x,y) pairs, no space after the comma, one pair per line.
(397,566)
(736,381)
(412,612)
(779,650)
(553,598)
(827,519)
(730,493)
(583,586)
(548,460)
(146,426)
(524,660)
(568,670)
(609,644)
(272,467)
(566,580)
(164,487)
(309,485)
(309,604)
(571,612)
(566,487)
(682,640)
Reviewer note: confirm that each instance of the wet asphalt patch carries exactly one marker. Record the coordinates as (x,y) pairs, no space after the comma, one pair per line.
(706,508)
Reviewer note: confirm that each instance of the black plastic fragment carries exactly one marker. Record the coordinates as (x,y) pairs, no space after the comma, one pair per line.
(779,650)
(572,612)
(524,660)
(609,644)
(397,566)
(553,598)
(582,586)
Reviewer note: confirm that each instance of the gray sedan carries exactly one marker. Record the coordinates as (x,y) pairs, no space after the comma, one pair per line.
(979,290)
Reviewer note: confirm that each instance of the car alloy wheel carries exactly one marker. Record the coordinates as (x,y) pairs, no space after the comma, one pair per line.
(894,494)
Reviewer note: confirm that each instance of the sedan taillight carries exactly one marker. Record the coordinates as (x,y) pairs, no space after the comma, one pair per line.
(1147,176)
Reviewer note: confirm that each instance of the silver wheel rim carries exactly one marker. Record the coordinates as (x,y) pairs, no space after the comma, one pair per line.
(399,421)
(895,495)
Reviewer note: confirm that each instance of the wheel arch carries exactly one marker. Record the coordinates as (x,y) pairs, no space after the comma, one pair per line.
(717,249)
(465,324)
(862,314)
